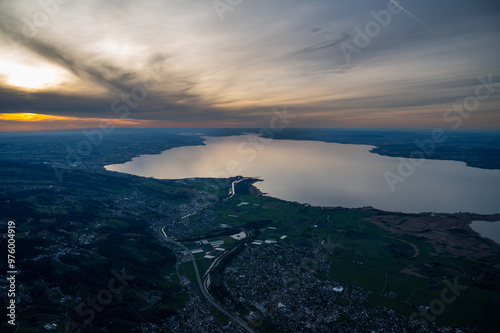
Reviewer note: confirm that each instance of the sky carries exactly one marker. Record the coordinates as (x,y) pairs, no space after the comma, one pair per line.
(233,63)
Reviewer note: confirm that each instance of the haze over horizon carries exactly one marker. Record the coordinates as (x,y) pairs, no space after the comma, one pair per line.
(364,64)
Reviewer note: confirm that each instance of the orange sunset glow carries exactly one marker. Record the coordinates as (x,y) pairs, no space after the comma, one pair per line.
(171,65)
(29,117)
(216,166)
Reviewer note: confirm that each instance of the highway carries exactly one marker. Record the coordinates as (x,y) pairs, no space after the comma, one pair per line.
(201,283)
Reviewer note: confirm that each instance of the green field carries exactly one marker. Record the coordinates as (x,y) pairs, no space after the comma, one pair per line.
(365,255)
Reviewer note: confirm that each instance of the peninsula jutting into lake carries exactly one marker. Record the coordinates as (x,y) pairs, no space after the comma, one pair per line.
(195,241)
(236,166)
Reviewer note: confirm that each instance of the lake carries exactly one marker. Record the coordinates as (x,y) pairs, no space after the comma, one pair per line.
(490,230)
(328,174)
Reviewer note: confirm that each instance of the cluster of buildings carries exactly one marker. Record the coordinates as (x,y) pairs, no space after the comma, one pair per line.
(190,226)
(194,316)
(280,284)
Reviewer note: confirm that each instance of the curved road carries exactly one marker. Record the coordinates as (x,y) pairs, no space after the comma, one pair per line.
(201,284)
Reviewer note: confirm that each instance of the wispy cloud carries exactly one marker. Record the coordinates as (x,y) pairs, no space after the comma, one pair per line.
(285,52)
(323,45)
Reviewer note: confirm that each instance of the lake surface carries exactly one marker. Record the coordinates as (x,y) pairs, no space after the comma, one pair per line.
(328,174)
(486,229)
